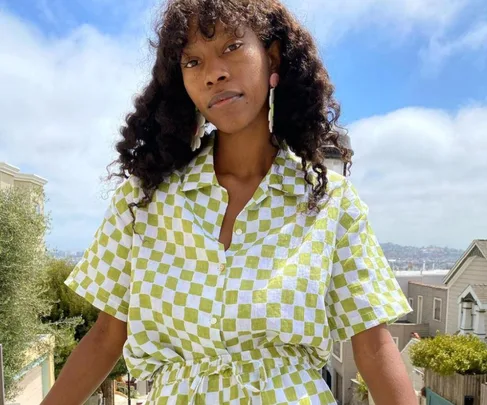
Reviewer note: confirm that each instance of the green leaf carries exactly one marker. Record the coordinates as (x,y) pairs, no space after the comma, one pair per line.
(450,354)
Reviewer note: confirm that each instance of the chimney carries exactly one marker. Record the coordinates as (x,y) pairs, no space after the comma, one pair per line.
(334,158)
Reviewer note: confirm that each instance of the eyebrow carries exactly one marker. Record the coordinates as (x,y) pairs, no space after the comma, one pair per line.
(224,35)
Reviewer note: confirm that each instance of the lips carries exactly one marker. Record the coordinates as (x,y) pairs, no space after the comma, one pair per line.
(223,96)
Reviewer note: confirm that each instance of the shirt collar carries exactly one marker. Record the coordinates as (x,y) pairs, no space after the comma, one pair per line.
(286,173)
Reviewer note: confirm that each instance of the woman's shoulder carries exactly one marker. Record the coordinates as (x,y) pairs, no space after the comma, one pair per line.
(336,185)
(130,190)
(342,193)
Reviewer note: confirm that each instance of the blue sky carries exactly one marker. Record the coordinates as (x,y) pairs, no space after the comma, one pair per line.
(373,72)
(411,76)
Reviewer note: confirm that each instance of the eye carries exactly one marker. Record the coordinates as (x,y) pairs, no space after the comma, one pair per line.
(233,47)
(190,64)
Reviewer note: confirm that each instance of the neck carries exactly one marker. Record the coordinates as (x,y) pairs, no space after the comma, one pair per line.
(245,154)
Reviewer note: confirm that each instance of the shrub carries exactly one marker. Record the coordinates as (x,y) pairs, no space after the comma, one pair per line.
(361,390)
(122,388)
(447,354)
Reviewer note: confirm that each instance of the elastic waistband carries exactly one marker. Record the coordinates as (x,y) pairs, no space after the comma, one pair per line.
(241,363)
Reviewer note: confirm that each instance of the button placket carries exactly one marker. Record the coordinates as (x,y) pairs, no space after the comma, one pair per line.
(221,283)
(216,315)
(215,320)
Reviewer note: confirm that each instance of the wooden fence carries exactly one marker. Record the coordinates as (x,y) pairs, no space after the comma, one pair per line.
(483,394)
(454,388)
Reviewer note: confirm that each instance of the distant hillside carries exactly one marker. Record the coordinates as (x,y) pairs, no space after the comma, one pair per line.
(62,254)
(404,257)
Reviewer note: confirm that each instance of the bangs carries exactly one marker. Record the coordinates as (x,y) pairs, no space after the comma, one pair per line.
(185,16)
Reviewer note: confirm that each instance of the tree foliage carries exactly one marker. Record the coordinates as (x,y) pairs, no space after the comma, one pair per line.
(33,298)
(68,307)
(361,390)
(21,278)
(450,354)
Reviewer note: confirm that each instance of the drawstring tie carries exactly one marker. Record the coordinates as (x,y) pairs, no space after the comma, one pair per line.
(228,370)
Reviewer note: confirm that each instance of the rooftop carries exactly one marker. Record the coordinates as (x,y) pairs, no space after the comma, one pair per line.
(19,176)
(481,292)
(418,273)
(438,287)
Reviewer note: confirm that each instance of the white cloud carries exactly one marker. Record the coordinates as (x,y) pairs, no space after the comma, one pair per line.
(472,42)
(130,15)
(62,102)
(423,172)
(331,20)
(434,22)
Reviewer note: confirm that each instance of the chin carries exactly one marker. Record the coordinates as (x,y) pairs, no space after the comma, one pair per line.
(230,127)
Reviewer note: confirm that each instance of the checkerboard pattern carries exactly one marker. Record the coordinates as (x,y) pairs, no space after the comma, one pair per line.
(103,274)
(250,325)
(363,292)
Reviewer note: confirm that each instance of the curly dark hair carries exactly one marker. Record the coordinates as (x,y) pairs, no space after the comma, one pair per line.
(156,137)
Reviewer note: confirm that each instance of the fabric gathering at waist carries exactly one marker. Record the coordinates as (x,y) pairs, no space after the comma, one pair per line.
(240,363)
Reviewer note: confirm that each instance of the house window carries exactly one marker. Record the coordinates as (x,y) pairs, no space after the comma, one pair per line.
(437,303)
(411,302)
(419,318)
(466,317)
(337,350)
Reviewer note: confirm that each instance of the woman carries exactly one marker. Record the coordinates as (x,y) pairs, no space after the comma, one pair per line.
(228,262)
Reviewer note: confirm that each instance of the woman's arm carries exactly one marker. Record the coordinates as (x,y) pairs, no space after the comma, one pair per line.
(90,363)
(379,362)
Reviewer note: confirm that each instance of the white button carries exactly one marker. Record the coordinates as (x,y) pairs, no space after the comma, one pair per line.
(213,321)
(238,232)
(222,267)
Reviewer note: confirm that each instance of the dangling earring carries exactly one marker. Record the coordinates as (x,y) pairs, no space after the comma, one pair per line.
(200,131)
(274,81)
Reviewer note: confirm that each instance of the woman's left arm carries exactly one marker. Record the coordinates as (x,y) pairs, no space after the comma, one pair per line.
(379,362)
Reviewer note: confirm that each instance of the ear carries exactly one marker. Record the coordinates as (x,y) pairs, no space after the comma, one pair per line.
(274,54)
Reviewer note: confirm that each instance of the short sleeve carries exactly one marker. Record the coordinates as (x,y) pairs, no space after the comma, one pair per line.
(363,291)
(102,276)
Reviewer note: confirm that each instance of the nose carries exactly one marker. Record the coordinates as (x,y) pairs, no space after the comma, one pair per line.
(216,72)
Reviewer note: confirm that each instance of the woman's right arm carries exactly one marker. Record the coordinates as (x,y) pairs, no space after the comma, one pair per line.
(89,363)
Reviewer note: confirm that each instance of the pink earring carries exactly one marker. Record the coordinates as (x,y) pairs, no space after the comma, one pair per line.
(200,131)
(274,81)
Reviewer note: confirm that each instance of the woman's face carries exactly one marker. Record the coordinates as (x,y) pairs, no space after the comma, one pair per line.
(227,77)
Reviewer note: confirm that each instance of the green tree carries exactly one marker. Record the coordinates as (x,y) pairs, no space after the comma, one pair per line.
(450,354)
(22,303)
(70,309)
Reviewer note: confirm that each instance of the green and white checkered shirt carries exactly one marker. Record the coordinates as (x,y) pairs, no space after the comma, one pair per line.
(254,323)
